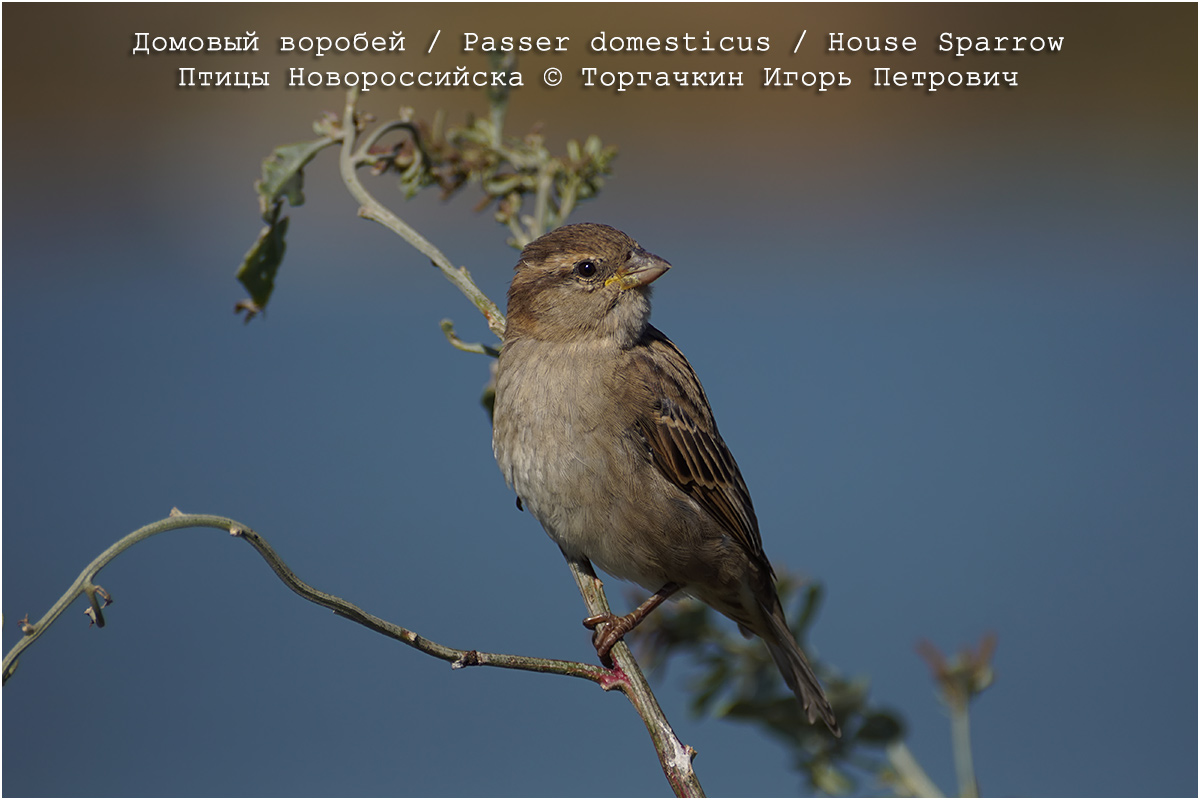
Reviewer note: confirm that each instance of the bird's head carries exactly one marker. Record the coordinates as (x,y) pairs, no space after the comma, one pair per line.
(583,281)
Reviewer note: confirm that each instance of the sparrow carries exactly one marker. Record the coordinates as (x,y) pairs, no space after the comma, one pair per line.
(604,432)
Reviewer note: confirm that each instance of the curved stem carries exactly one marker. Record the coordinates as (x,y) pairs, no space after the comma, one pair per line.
(458,658)
(364,150)
(83,584)
(372,209)
(473,347)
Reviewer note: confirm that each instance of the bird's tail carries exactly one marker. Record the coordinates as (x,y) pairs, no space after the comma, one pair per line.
(796,670)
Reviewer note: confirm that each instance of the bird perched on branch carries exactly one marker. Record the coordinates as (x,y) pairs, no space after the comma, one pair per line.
(604,432)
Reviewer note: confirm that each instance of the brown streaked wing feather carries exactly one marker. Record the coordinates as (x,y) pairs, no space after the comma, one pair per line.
(688,449)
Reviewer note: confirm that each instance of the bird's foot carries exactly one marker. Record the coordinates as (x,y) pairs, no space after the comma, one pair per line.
(613,631)
(616,627)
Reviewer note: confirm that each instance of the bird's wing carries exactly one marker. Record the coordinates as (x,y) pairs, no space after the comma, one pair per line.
(687,448)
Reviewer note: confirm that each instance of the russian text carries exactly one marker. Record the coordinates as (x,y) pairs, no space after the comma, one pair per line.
(143,44)
(931,80)
(190,76)
(367,80)
(821,81)
(628,80)
(358,43)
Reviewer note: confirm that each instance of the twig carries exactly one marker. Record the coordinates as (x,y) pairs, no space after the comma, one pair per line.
(960,681)
(372,209)
(909,771)
(541,207)
(364,154)
(458,658)
(473,347)
(625,675)
(960,740)
(675,757)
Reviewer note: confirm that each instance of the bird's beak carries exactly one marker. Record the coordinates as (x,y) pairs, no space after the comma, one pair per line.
(641,269)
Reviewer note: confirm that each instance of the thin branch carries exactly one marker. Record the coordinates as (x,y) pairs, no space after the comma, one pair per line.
(372,209)
(84,584)
(960,681)
(473,347)
(626,676)
(520,235)
(364,153)
(674,756)
(909,771)
(960,740)
(541,207)
(566,203)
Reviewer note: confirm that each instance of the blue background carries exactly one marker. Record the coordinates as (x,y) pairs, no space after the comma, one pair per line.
(950,337)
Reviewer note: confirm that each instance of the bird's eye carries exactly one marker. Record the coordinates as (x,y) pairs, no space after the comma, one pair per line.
(585,269)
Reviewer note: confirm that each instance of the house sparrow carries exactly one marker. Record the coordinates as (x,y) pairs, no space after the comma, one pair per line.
(604,432)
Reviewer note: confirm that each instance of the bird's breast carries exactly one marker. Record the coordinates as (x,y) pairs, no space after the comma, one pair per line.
(560,441)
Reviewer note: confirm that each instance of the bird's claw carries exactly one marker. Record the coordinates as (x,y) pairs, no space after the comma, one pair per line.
(604,639)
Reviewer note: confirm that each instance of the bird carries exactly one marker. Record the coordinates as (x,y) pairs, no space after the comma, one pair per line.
(604,432)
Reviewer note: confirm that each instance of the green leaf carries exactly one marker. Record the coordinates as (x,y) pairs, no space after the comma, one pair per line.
(262,260)
(282,179)
(283,174)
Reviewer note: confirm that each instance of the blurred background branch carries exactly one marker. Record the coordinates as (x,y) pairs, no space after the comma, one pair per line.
(734,678)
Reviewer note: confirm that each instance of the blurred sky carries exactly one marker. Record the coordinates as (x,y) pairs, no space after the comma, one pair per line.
(950,337)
